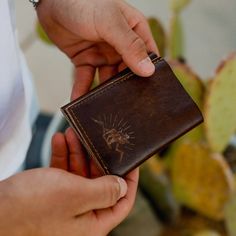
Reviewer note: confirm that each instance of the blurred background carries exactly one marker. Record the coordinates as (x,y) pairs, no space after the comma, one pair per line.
(189,188)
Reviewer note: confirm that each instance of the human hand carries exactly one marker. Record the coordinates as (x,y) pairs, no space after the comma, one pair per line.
(46,202)
(104,34)
(68,155)
(50,201)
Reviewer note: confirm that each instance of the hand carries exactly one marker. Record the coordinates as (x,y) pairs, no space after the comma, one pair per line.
(50,201)
(104,34)
(68,155)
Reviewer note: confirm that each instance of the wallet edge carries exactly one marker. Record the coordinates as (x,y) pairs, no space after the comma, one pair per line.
(87,143)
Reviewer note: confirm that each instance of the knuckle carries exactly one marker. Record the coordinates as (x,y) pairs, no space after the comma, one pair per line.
(113,191)
(136,44)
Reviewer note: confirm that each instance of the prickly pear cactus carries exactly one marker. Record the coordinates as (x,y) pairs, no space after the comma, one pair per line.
(42,35)
(193,85)
(156,186)
(230,215)
(201,180)
(178,5)
(219,107)
(158,34)
(176,39)
(191,224)
(190,81)
(207,233)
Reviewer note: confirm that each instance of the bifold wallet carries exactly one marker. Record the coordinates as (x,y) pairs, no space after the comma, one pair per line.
(127,119)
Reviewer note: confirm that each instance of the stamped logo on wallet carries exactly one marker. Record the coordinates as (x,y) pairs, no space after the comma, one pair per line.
(127,119)
(117,133)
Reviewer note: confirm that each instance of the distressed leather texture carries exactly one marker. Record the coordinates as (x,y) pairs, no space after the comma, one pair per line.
(127,119)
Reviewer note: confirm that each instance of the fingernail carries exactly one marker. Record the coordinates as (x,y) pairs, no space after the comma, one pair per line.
(123,187)
(146,66)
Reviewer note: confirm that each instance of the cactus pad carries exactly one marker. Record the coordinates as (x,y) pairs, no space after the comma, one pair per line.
(201,180)
(158,34)
(176,39)
(194,86)
(156,186)
(190,81)
(207,233)
(178,5)
(42,35)
(220,113)
(230,215)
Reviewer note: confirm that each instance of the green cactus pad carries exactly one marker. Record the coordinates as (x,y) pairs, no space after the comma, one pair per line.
(176,39)
(178,5)
(201,180)
(219,107)
(156,186)
(194,86)
(230,215)
(190,81)
(158,34)
(42,35)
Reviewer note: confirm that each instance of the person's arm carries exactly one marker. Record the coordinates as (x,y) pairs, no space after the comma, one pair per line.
(104,34)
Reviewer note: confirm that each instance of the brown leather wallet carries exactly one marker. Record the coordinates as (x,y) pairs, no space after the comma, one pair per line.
(128,118)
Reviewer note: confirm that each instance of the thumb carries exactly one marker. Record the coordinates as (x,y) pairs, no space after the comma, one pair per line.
(130,46)
(102,192)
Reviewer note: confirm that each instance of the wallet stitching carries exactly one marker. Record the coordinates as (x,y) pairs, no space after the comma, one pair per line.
(93,96)
(78,122)
(109,86)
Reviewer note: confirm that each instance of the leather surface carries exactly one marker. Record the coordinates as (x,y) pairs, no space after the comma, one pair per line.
(129,118)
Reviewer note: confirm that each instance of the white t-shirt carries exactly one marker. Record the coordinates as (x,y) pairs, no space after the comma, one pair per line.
(15,96)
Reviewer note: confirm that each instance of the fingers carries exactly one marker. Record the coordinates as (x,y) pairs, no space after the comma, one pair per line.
(129,45)
(106,72)
(77,161)
(138,22)
(84,76)
(100,193)
(94,170)
(59,152)
(143,30)
(113,216)
(67,153)
(124,206)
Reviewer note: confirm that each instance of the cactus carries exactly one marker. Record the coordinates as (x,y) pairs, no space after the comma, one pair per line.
(141,220)
(230,215)
(191,224)
(42,35)
(158,34)
(156,186)
(220,114)
(176,48)
(207,233)
(178,5)
(190,81)
(201,180)
(176,38)
(193,85)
